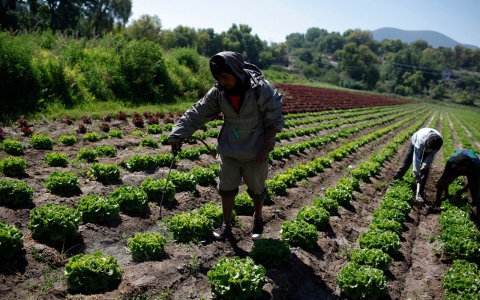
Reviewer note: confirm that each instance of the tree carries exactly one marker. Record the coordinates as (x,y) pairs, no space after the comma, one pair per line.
(413,81)
(294,40)
(146,27)
(420,45)
(359,63)
(100,15)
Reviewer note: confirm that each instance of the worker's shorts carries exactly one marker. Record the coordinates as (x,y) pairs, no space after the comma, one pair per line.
(231,171)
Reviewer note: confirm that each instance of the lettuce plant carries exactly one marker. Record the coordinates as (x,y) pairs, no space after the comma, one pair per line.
(236,279)
(13,166)
(62,182)
(148,142)
(87,154)
(270,253)
(390,214)
(204,176)
(54,222)
(299,233)
(276,187)
(190,226)
(387,241)
(115,133)
(371,257)
(92,272)
(244,204)
(389,203)
(96,209)
(361,282)
(67,140)
(331,205)
(339,193)
(92,137)
(13,192)
(41,142)
(183,181)
(56,159)
(462,279)
(102,172)
(106,151)
(155,188)
(154,129)
(11,240)
(215,213)
(141,162)
(147,246)
(314,215)
(12,147)
(130,198)
(386,224)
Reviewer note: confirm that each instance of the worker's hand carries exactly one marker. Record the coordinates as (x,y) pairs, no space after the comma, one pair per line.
(262,156)
(176,147)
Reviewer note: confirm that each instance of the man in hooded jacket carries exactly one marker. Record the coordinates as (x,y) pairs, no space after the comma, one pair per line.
(252,110)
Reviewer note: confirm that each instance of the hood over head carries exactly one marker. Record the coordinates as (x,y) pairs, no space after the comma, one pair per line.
(233,63)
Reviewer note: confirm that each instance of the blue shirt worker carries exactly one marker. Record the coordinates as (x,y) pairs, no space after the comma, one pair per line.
(252,110)
(462,163)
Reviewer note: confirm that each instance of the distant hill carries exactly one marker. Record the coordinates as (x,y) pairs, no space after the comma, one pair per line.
(433,38)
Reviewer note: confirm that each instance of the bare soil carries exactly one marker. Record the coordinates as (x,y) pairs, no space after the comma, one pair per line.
(37,272)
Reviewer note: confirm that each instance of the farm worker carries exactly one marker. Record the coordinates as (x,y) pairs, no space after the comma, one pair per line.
(461,163)
(252,110)
(422,150)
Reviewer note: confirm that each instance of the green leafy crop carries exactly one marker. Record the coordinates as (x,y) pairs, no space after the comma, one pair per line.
(270,252)
(299,233)
(386,224)
(56,159)
(54,222)
(13,166)
(190,226)
(244,204)
(372,257)
(92,272)
(11,240)
(236,279)
(204,176)
(331,205)
(92,137)
(106,151)
(141,162)
(67,140)
(462,279)
(62,182)
(154,129)
(115,133)
(387,241)
(390,214)
(183,181)
(12,147)
(13,192)
(276,187)
(361,282)
(147,246)
(96,209)
(87,154)
(315,215)
(41,142)
(130,198)
(215,213)
(148,142)
(103,172)
(155,188)
(339,193)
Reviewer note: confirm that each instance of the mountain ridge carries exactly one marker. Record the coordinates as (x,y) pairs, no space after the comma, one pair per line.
(433,38)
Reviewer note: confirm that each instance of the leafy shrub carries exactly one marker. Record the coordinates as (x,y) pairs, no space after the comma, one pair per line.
(462,279)
(106,151)
(130,198)
(92,137)
(13,166)
(95,209)
(41,142)
(13,192)
(270,253)
(54,222)
(237,279)
(364,282)
(56,159)
(115,133)
(387,241)
(91,272)
(183,181)
(215,213)
(12,147)
(386,224)
(148,142)
(62,182)
(204,176)
(147,246)
(371,257)
(299,233)
(87,154)
(155,188)
(190,226)
(244,204)
(154,129)
(314,215)
(331,205)
(67,140)
(11,240)
(137,133)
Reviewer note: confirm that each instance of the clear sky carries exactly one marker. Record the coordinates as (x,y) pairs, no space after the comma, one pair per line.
(273,20)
